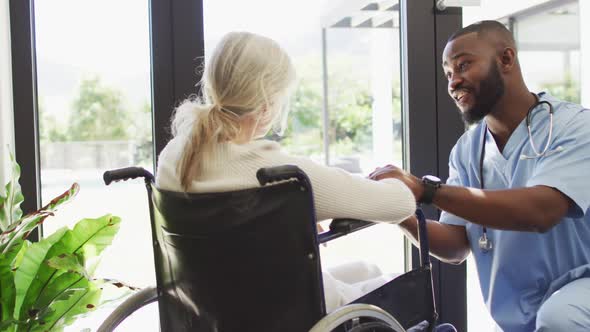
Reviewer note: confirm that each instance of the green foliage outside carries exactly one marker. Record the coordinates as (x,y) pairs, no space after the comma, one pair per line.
(46,285)
(141,133)
(568,89)
(50,129)
(350,107)
(99,113)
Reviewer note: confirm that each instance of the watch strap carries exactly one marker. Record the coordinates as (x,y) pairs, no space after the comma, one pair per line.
(430,188)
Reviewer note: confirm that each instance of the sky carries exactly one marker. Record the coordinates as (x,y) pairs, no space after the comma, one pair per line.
(85,38)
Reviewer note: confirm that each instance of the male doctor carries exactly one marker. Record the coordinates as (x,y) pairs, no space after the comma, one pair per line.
(529,227)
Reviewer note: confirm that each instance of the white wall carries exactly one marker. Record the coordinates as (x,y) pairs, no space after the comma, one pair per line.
(6,119)
(494,9)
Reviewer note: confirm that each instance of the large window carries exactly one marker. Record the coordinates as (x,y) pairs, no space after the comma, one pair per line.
(93,71)
(93,67)
(5,96)
(346,109)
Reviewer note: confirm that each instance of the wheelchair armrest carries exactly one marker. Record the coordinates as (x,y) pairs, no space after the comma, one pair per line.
(352,311)
(348,225)
(129,306)
(341,227)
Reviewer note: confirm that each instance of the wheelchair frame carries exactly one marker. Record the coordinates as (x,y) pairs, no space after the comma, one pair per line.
(381,320)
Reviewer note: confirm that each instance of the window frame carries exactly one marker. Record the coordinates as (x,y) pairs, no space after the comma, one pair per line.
(432,128)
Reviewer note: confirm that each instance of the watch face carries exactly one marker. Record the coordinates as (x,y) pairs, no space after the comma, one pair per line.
(431,178)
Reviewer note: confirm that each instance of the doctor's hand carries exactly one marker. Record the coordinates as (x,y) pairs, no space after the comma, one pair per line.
(394,172)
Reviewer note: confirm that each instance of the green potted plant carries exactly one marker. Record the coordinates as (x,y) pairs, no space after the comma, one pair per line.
(46,285)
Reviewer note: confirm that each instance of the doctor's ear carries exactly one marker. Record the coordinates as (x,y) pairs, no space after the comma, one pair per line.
(508,59)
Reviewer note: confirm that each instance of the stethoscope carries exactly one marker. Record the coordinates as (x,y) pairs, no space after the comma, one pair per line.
(485,243)
(546,151)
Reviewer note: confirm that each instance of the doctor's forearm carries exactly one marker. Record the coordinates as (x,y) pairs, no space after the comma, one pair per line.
(534,209)
(448,243)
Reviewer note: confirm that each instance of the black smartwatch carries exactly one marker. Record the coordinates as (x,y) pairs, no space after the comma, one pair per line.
(430,183)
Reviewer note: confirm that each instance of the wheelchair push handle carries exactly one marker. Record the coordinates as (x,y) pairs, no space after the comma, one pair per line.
(126,174)
(281,173)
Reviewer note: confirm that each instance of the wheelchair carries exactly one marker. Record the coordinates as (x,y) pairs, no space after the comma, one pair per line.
(248,260)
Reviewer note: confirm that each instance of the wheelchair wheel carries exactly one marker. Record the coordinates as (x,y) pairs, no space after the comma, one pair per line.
(380,320)
(372,327)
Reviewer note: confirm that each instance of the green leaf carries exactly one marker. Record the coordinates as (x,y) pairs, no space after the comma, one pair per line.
(113,290)
(7,287)
(44,276)
(69,263)
(80,300)
(22,228)
(10,210)
(90,236)
(63,198)
(21,231)
(20,255)
(10,325)
(28,273)
(58,288)
(45,286)
(39,316)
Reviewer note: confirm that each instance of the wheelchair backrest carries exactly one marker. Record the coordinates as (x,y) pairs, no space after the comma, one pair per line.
(245,260)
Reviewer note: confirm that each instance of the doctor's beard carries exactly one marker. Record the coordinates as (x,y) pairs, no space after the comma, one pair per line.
(491,89)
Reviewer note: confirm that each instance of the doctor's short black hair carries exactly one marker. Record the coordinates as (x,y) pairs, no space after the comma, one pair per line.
(486,27)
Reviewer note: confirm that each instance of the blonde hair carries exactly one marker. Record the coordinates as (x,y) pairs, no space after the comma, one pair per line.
(247,75)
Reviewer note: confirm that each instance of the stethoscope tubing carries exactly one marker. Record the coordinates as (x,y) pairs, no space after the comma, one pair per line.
(528,126)
(485,244)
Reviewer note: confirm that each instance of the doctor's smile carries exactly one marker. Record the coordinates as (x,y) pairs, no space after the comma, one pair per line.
(462,98)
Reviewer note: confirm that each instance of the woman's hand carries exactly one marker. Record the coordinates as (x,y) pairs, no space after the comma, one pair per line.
(394,172)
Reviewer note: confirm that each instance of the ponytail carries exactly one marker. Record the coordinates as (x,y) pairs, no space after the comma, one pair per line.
(210,125)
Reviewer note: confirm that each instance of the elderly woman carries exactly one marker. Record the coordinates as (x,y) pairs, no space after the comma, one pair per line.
(217,147)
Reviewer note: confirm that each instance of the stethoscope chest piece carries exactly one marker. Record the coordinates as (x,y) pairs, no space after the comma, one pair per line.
(485,244)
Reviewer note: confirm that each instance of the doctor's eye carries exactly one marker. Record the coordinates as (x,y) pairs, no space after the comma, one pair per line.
(463,66)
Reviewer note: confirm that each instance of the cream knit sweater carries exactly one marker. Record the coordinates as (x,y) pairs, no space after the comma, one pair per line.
(337,193)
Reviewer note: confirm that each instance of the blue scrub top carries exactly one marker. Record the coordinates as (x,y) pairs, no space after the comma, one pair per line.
(524,268)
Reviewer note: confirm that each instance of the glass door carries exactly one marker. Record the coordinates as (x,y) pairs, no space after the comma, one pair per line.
(346,110)
(94,95)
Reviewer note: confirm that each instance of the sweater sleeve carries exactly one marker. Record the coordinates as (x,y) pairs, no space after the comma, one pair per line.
(339,194)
